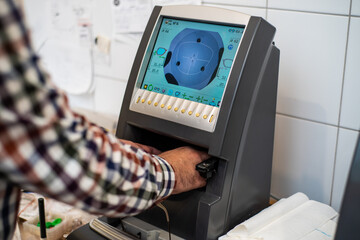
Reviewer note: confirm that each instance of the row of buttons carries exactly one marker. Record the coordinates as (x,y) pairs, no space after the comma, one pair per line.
(177,105)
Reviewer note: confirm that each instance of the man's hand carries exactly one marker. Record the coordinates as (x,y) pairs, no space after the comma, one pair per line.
(146,148)
(184,160)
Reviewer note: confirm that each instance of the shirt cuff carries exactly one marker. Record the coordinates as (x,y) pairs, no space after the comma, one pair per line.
(167,183)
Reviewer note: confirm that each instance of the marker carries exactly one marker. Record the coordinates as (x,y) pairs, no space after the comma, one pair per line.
(42,218)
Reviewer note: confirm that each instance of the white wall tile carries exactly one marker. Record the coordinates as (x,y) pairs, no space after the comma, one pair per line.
(303,160)
(355,8)
(109,95)
(350,110)
(259,12)
(85,101)
(253,3)
(344,154)
(38,13)
(312,53)
(324,6)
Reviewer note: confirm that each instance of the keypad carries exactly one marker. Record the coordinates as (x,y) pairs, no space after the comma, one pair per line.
(175,109)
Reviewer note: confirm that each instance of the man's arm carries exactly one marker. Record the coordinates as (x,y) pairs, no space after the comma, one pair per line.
(45,147)
(183,161)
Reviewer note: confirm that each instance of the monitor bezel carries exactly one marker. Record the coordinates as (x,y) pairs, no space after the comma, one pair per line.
(188,13)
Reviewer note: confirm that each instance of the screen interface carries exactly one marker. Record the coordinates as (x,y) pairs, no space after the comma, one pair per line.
(192,60)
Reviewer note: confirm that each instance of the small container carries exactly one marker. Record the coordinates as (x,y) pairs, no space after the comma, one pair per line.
(30,230)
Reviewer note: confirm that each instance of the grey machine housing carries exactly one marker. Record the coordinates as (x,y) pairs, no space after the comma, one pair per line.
(242,141)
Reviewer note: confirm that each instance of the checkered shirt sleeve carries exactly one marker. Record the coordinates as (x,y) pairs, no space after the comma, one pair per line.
(46,148)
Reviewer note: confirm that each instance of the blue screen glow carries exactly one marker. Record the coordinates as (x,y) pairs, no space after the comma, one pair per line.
(192,60)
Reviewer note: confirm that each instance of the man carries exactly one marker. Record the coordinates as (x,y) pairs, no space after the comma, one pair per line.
(46,148)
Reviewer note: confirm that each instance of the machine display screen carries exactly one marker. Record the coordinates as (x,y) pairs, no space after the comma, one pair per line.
(192,60)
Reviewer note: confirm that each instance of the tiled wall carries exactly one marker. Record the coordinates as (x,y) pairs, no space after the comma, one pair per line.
(318,118)
(318,113)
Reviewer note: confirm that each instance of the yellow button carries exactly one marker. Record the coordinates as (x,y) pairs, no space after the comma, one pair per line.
(138,100)
(205,116)
(211,118)
(183,111)
(162,105)
(155,104)
(169,107)
(197,115)
(149,102)
(190,112)
(176,109)
(142,100)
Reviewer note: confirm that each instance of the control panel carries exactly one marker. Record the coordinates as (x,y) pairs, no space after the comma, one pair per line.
(187,112)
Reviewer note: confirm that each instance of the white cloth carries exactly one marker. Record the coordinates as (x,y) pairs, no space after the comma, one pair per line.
(325,232)
(293,218)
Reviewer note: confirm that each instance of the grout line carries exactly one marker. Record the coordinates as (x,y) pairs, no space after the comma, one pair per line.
(306,119)
(232,5)
(341,98)
(314,12)
(334,166)
(280,9)
(318,122)
(267,10)
(344,67)
(350,129)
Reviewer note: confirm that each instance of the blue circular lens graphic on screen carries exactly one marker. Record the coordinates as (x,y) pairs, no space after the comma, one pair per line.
(193,58)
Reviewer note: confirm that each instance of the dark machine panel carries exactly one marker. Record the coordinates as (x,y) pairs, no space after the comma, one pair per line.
(191,54)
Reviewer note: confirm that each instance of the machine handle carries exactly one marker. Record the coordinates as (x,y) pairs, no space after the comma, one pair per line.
(207,168)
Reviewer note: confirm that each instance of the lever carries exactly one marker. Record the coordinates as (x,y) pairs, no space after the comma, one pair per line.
(207,168)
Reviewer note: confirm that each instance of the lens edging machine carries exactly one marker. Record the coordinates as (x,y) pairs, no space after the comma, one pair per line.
(239,137)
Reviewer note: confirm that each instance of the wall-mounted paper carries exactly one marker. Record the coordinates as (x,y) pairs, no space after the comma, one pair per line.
(131,16)
(63,38)
(69,65)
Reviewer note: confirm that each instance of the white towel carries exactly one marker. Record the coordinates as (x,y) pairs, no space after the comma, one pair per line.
(291,218)
(325,232)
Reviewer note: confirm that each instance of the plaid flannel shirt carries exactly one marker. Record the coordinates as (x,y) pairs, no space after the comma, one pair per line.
(46,148)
